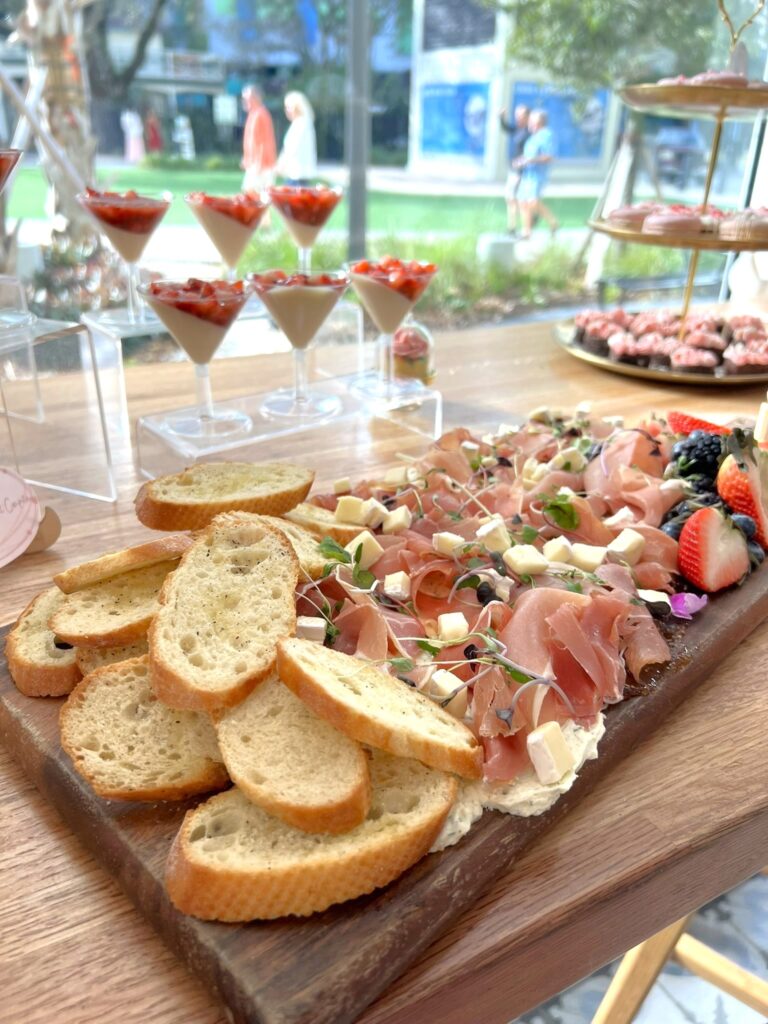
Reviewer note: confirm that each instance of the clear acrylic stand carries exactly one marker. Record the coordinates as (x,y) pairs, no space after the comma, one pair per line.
(55,411)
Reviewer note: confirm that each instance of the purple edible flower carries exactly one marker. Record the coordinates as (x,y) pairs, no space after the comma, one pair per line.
(685,606)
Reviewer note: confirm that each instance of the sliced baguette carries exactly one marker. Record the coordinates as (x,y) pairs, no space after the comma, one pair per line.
(40,664)
(90,658)
(117,562)
(304,543)
(375,708)
(130,746)
(292,763)
(321,522)
(190,500)
(232,861)
(114,612)
(222,613)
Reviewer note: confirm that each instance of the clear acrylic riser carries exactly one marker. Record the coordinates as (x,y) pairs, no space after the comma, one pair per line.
(361,424)
(54,394)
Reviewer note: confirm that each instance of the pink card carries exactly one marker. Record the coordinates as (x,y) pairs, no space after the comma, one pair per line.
(19,516)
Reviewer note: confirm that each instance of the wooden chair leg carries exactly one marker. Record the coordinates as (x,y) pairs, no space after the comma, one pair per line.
(637,972)
(719,970)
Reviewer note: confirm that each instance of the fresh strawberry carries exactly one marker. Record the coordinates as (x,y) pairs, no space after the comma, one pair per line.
(743,484)
(712,553)
(682,423)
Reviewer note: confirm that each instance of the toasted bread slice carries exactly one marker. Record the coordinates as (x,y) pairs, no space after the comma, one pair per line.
(190,500)
(373,707)
(90,658)
(130,746)
(41,665)
(222,613)
(304,543)
(321,522)
(292,763)
(232,861)
(117,562)
(114,612)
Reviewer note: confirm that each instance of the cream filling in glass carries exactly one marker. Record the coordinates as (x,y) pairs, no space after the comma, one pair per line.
(129,244)
(304,235)
(300,310)
(199,338)
(386,307)
(525,795)
(227,233)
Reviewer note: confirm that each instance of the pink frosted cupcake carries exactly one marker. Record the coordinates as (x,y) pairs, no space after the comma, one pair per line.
(706,339)
(727,78)
(688,359)
(624,347)
(748,226)
(741,321)
(660,349)
(673,222)
(702,322)
(741,358)
(749,334)
(631,216)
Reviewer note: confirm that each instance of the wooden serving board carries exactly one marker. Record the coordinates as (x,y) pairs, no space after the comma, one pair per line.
(328,968)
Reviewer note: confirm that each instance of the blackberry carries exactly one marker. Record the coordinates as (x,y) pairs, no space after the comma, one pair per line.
(698,455)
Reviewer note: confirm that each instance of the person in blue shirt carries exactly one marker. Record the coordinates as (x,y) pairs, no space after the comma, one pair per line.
(518,129)
(534,165)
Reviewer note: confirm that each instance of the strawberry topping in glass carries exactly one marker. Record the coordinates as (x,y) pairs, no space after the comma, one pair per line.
(408,277)
(8,160)
(273,278)
(307,205)
(127,210)
(246,207)
(218,302)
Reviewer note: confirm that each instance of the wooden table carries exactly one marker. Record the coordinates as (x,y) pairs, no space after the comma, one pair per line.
(684,818)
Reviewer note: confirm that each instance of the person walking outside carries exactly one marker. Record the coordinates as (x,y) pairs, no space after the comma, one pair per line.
(259,146)
(518,129)
(534,165)
(153,132)
(297,161)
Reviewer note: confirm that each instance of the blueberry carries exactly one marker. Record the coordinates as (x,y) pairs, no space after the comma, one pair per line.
(471,651)
(485,593)
(502,460)
(746,524)
(673,528)
(593,451)
(697,435)
(707,498)
(756,553)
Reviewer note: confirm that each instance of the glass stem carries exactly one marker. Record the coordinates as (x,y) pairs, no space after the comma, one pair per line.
(230,273)
(386,362)
(136,310)
(305,260)
(203,390)
(299,376)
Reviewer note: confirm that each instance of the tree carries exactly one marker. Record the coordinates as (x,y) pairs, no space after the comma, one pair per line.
(106,79)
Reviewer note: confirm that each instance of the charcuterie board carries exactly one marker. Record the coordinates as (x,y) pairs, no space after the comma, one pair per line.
(328,968)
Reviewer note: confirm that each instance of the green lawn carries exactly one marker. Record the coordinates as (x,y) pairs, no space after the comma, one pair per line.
(387,211)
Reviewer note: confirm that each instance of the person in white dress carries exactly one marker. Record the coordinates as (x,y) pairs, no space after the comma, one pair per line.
(297,162)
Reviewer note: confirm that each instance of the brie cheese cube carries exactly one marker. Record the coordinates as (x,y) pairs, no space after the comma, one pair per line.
(397,585)
(397,520)
(494,535)
(371,549)
(397,476)
(569,459)
(655,597)
(587,556)
(342,485)
(628,546)
(583,409)
(558,550)
(525,559)
(446,543)
(452,626)
(350,510)
(471,449)
(374,513)
(540,414)
(624,517)
(311,627)
(761,425)
(567,491)
(549,753)
(442,684)
(506,428)
(488,462)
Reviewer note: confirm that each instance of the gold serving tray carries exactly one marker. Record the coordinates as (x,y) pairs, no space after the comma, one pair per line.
(719,102)
(564,330)
(682,241)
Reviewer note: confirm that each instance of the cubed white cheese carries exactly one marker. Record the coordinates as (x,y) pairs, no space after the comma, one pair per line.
(490,439)
(525,559)
(371,549)
(655,597)
(342,485)
(488,461)
(397,476)
(374,513)
(397,585)
(311,627)
(397,520)
(567,491)
(628,546)
(540,414)
(549,753)
(558,550)
(761,424)
(507,428)
(503,588)
(452,626)
(442,684)
(493,535)
(583,409)
(446,543)
(350,510)
(587,556)
(624,517)
(569,459)
(471,449)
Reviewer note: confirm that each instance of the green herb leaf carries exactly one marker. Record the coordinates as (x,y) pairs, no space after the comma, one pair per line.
(476,563)
(560,509)
(331,632)
(455,516)
(529,534)
(401,664)
(470,581)
(333,552)
(575,588)
(425,645)
(362,578)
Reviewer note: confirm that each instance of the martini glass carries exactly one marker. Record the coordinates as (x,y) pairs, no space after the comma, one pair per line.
(389,290)
(305,211)
(229,222)
(8,160)
(199,314)
(128,220)
(300,304)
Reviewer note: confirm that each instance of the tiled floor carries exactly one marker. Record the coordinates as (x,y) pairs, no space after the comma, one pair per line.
(735,924)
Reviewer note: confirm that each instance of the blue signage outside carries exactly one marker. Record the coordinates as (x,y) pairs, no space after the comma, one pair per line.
(577,120)
(454,118)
